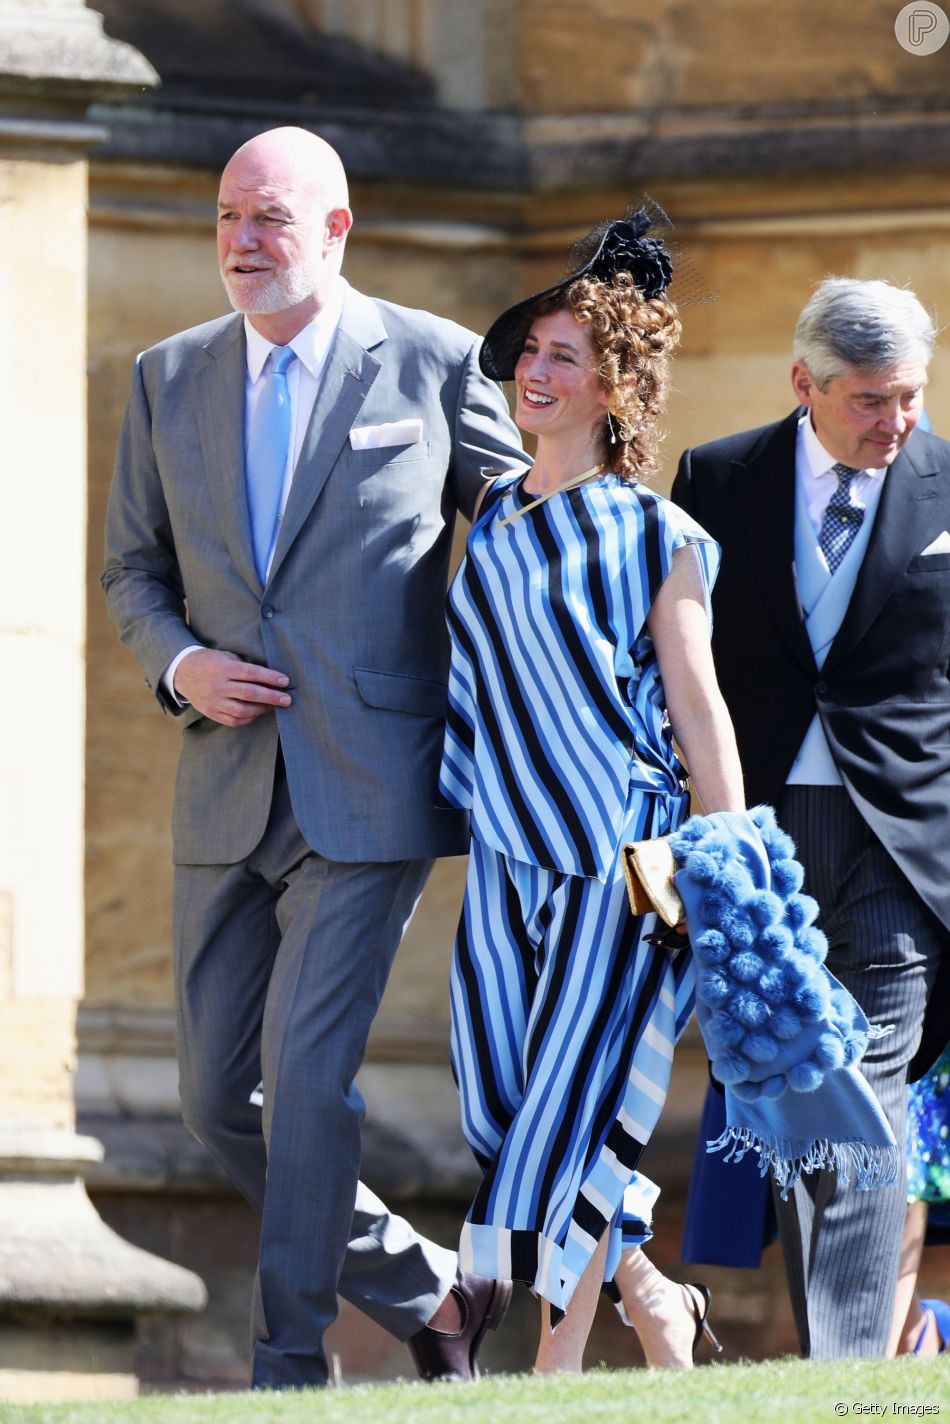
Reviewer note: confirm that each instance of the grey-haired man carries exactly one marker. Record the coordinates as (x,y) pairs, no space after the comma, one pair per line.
(832,637)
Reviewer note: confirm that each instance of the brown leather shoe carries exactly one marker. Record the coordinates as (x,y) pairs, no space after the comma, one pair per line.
(444,1355)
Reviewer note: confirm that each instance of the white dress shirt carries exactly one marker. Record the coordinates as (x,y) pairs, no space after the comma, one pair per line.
(814,479)
(311,347)
(815,483)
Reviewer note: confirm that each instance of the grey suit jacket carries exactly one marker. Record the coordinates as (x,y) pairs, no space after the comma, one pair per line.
(353,609)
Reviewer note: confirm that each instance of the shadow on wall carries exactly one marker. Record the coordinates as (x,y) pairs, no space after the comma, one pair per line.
(254,50)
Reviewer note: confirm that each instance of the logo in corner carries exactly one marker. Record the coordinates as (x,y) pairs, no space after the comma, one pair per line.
(922,27)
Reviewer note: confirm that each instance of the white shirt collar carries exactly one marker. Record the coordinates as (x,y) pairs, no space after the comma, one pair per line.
(310,345)
(818,462)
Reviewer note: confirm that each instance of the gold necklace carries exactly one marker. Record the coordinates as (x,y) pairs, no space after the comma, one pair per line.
(558,489)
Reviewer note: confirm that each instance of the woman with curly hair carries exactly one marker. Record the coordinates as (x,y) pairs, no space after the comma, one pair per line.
(581,648)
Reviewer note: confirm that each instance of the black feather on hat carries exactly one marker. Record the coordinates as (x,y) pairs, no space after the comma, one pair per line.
(626,244)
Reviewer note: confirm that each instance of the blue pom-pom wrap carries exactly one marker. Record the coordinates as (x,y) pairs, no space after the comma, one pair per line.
(783,1035)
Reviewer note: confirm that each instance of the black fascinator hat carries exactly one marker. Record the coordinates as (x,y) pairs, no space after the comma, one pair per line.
(629,244)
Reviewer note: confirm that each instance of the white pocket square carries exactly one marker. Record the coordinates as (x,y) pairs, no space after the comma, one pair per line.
(941,545)
(394,432)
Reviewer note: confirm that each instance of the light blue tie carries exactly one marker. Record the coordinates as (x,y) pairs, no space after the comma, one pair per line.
(265,460)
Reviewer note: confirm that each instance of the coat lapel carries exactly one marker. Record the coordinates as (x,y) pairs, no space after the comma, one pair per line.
(913,499)
(220,408)
(350,372)
(765,486)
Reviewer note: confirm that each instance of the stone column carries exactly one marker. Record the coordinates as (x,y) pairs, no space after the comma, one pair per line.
(70,1289)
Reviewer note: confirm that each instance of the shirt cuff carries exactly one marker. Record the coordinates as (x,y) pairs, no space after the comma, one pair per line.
(168,676)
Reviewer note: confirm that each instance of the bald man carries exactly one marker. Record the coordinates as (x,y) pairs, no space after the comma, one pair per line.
(277,548)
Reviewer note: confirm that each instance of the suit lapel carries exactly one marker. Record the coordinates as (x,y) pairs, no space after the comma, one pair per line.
(220,408)
(905,523)
(347,380)
(765,486)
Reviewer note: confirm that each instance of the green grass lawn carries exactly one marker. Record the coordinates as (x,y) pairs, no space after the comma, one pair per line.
(781,1390)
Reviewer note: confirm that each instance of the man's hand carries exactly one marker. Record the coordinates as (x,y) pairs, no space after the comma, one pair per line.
(228,690)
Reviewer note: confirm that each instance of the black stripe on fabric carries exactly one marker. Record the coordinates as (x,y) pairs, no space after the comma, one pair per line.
(524,817)
(460,729)
(577,648)
(593,1045)
(544,917)
(596,566)
(478,1211)
(480,1037)
(552,999)
(524,1256)
(598,603)
(652,543)
(594,1048)
(560,1145)
(589,1218)
(523,717)
(518,935)
(606,1119)
(625,1147)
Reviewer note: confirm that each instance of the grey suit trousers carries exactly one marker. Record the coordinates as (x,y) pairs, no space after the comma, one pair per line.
(842,1246)
(281,961)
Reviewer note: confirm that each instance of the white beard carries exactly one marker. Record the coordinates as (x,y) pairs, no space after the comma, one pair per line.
(276,292)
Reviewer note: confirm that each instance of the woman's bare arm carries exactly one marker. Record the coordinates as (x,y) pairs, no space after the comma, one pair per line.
(679,627)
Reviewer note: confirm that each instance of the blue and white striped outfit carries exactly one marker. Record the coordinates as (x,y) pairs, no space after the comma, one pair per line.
(563,1019)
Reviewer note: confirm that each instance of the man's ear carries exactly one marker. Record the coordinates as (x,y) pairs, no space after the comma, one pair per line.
(338,223)
(803,384)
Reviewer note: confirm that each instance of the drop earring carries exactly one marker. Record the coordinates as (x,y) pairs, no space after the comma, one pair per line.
(611,428)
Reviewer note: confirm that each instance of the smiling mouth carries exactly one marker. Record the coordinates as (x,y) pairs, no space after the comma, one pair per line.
(244,271)
(535,398)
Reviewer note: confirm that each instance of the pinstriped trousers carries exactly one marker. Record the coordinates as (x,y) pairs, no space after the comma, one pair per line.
(842,1246)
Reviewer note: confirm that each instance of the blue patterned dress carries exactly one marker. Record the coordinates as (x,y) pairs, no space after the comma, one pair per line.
(563,1018)
(928,1141)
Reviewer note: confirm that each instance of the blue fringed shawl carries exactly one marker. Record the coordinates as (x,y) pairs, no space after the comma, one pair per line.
(783,1036)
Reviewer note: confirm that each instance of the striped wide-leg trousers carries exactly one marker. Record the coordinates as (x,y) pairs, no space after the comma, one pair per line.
(563,1026)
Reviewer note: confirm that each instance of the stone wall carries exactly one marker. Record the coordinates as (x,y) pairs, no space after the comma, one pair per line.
(660,55)
(648,59)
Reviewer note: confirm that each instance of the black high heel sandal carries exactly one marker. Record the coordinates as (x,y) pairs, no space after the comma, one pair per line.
(701,1316)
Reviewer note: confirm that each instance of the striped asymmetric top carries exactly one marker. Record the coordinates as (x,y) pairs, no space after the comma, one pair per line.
(556,712)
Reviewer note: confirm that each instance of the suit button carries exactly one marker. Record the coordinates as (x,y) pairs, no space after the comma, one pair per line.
(267,611)
(821,688)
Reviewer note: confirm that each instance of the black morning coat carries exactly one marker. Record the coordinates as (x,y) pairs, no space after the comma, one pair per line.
(883,693)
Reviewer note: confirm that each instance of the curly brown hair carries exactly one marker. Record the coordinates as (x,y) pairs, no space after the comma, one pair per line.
(633,339)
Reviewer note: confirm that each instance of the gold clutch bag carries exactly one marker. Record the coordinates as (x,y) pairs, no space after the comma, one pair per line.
(648,868)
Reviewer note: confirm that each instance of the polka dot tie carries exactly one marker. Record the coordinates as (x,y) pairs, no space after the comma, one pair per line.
(842,519)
